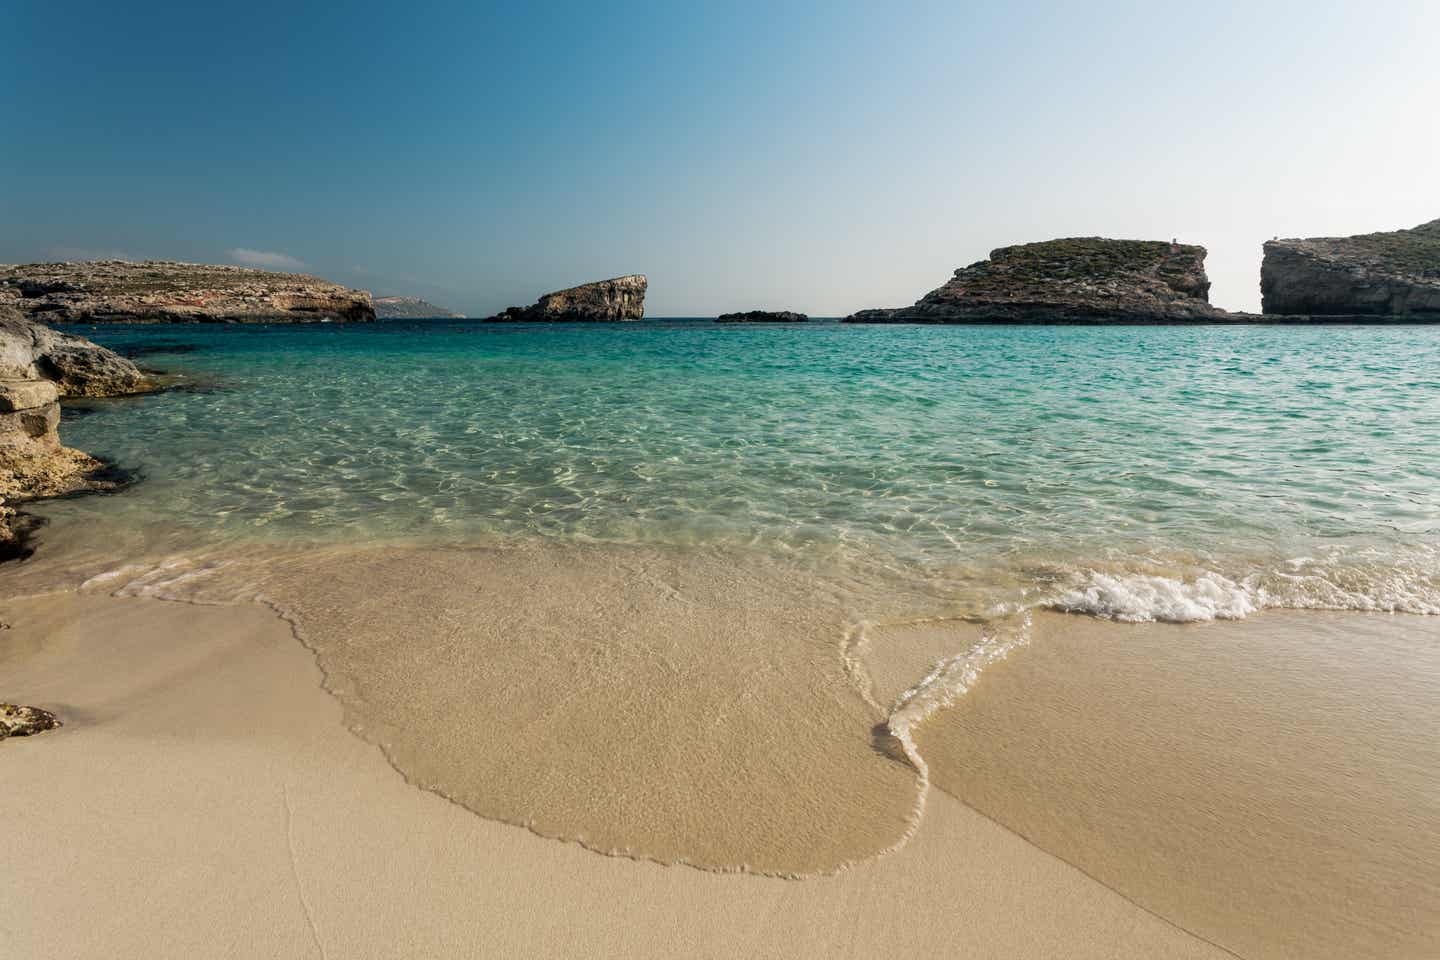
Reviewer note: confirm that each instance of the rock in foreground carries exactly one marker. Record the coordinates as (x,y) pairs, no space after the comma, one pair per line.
(37,367)
(1076,280)
(411,308)
(622,298)
(763,316)
(1395,274)
(17,721)
(162,291)
(76,367)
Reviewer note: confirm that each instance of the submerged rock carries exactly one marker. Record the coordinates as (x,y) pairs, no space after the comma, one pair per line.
(1394,274)
(1075,280)
(164,291)
(622,298)
(763,316)
(18,721)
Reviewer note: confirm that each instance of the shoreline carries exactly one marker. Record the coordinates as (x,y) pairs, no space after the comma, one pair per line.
(279,832)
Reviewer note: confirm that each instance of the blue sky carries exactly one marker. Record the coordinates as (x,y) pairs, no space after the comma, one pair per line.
(817,156)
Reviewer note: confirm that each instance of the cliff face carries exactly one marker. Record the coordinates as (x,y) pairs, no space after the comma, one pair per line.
(162,291)
(411,308)
(37,367)
(1375,274)
(622,298)
(1077,280)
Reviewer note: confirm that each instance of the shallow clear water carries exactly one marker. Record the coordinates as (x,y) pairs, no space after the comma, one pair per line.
(1177,472)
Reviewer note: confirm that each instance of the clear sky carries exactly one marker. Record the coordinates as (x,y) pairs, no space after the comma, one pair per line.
(817,156)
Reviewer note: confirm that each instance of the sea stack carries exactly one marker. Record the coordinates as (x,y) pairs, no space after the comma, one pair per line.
(1074,280)
(763,316)
(164,291)
(621,298)
(1394,274)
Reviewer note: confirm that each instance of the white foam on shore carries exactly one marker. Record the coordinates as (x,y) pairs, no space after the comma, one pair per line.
(1137,598)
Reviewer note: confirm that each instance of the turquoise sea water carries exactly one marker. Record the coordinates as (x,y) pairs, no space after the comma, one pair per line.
(1177,472)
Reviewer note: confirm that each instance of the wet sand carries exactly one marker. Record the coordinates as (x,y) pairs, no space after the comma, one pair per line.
(1271,784)
(205,799)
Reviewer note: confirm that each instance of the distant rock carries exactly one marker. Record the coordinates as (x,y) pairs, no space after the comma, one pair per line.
(162,291)
(1395,274)
(1075,280)
(411,308)
(763,316)
(622,298)
(17,721)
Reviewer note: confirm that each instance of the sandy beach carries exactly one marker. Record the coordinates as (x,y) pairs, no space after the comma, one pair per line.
(205,799)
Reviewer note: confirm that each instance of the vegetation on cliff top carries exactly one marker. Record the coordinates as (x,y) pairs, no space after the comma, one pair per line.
(1414,252)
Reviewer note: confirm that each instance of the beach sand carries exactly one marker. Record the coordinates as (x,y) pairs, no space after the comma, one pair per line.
(205,799)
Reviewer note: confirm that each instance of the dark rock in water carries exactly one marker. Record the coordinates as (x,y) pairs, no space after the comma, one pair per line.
(763,316)
(17,721)
(163,291)
(1395,274)
(1076,280)
(411,308)
(622,298)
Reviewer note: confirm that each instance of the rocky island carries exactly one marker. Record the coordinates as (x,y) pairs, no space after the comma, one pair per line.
(763,316)
(38,367)
(164,291)
(1074,280)
(1394,274)
(622,298)
(411,308)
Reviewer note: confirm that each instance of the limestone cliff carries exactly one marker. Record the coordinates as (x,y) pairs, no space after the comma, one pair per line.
(622,298)
(1395,274)
(162,291)
(1075,280)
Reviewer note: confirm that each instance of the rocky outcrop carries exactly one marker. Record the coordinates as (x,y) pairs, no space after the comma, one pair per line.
(1395,274)
(622,298)
(411,308)
(37,367)
(763,316)
(1076,280)
(17,721)
(77,367)
(162,291)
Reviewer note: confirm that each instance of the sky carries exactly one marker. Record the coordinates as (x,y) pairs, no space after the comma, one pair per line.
(823,157)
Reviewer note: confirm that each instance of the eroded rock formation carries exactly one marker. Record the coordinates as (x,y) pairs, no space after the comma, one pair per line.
(622,298)
(37,367)
(1076,280)
(162,291)
(763,316)
(1394,274)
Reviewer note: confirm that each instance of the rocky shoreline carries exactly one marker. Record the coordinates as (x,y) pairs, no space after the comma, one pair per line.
(1374,275)
(39,367)
(763,316)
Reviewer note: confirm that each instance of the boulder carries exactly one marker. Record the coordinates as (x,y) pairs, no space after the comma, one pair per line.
(1074,280)
(1394,274)
(622,298)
